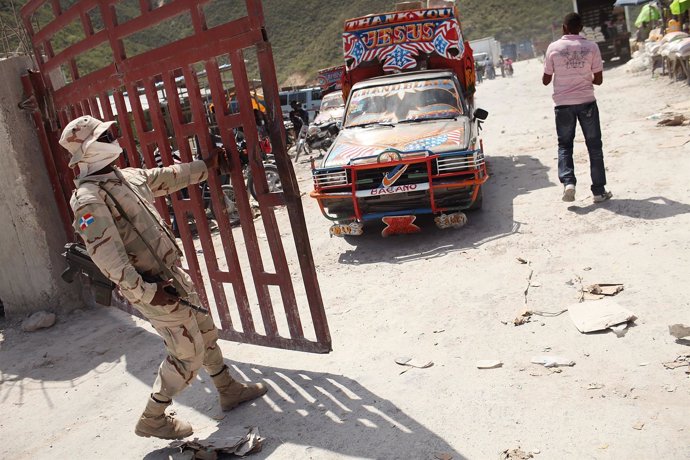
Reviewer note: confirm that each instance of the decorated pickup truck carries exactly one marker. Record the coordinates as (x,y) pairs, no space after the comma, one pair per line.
(409,143)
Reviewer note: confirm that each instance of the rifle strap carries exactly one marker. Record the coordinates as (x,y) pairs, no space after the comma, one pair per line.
(166,270)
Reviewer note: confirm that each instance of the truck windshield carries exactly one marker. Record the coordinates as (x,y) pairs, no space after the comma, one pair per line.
(404,102)
(332,101)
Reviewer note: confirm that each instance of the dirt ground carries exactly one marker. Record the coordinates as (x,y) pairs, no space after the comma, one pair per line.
(75,390)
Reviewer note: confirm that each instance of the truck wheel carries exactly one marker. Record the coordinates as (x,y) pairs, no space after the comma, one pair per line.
(479,201)
(272,178)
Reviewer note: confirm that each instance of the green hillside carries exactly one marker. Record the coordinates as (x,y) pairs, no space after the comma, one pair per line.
(305,34)
(307,38)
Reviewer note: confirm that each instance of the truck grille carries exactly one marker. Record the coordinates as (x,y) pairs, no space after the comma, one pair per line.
(334,178)
(416,173)
(449,164)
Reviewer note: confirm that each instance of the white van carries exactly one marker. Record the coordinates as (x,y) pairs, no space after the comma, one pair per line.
(310,98)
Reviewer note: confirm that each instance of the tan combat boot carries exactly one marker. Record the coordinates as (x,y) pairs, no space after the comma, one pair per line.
(154,422)
(232,392)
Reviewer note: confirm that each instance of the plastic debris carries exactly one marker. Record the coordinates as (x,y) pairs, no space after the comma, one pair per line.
(489,364)
(38,320)
(638,426)
(552,361)
(247,442)
(599,316)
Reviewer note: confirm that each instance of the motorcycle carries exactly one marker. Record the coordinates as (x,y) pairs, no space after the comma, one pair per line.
(317,137)
(289,133)
(267,158)
(301,143)
(270,169)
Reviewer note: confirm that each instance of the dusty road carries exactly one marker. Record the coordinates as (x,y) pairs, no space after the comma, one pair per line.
(76,389)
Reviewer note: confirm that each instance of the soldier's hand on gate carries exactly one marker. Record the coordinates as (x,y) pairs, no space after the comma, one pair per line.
(214,158)
(162,297)
(224,162)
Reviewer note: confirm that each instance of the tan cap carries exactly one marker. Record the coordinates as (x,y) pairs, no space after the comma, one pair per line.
(80,133)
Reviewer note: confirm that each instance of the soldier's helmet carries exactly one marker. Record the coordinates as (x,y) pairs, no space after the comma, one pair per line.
(80,133)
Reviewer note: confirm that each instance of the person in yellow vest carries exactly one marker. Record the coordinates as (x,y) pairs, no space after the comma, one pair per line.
(673,25)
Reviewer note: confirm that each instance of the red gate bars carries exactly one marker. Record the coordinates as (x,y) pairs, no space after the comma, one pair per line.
(162,100)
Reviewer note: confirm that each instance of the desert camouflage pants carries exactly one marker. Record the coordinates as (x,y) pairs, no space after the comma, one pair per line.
(190,338)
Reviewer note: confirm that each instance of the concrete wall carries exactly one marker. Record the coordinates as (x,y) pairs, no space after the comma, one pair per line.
(31,234)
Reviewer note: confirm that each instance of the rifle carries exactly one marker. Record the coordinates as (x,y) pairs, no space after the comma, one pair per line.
(173,292)
(78,261)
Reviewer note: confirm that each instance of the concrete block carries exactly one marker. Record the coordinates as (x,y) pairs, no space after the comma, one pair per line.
(31,234)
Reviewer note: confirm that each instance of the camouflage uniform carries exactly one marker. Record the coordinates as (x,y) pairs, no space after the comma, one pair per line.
(190,337)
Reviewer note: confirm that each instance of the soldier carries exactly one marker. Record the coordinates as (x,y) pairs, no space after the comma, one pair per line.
(126,237)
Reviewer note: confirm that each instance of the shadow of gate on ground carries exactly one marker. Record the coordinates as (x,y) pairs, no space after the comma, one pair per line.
(318,410)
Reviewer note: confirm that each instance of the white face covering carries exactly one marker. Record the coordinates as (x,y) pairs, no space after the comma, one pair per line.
(97,156)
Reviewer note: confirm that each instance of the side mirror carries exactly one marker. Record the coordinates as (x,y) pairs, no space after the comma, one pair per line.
(481,114)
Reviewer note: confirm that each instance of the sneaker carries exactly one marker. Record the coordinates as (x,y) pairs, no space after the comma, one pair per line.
(569,193)
(603,197)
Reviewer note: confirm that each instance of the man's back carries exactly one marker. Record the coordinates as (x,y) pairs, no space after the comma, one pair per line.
(573,60)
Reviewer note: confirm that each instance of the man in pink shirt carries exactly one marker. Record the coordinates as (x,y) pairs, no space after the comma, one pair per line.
(575,66)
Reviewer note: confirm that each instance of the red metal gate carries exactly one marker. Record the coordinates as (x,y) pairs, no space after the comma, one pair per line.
(174,97)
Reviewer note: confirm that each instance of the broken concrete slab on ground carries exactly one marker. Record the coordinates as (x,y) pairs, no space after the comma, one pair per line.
(413,362)
(489,364)
(679,331)
(599,315)
(552,361)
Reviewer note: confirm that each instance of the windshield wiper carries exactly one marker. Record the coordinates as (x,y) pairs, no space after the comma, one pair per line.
(375,123)
(414,120)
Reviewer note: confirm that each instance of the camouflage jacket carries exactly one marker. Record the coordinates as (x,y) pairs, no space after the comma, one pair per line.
(110,240)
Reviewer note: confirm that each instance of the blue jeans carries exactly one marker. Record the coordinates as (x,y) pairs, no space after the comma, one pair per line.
(567,117)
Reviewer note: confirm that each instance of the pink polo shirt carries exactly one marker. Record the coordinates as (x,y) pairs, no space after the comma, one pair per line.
(572,61)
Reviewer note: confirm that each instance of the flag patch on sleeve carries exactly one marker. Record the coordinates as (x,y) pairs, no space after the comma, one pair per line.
(85,221)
